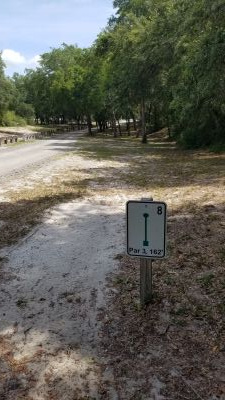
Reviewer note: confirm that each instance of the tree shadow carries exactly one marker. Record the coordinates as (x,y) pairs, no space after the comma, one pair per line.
(19,217)
(66,142)
(158,165)
(154,174)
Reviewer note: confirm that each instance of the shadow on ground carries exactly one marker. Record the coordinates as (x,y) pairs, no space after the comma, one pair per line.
(157,165)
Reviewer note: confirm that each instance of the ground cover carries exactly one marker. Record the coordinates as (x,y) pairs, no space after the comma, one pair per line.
(173,348)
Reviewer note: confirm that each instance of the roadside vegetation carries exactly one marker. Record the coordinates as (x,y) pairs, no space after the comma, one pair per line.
(156,64)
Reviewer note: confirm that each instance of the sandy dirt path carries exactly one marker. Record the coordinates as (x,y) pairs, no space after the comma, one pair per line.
(50,306)
(49,309)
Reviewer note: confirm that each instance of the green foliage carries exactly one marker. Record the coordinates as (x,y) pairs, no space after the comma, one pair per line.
(19,101)
(161,62)
(172,54)
(14,108)
(5,91)
(217,148)
(198,92)
(9,118)
(26,111)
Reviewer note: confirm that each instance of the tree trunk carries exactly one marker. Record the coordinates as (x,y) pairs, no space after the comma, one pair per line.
(114,128)
(119,126)
(128,127)
(168,127)
(89,124)
(156,120)
(149,118)
(143,124)
(100,126)
(134,121)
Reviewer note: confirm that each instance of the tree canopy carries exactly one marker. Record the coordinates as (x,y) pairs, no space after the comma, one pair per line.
(161,63)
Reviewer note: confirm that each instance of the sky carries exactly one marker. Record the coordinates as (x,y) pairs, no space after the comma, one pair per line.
(29,28)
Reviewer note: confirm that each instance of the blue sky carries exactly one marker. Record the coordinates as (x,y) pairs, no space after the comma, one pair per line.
(29,28)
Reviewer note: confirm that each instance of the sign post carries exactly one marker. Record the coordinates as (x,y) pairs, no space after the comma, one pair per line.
(145,281)
(146,239)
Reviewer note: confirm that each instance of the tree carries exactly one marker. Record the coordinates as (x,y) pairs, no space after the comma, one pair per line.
(163,60)
(5,91)
(19,101)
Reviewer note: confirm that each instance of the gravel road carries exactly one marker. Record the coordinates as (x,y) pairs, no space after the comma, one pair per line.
(14,158)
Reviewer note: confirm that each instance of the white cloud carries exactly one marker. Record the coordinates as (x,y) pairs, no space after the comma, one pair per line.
(34,60)
(16,62)
(12,57)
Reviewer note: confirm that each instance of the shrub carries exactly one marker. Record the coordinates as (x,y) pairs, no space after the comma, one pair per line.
(9,118)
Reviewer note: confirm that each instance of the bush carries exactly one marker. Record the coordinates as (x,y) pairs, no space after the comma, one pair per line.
(217,148)
(9,118)
(26,111)
(190,139)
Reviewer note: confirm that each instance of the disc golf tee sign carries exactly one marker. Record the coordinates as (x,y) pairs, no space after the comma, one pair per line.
(146,229)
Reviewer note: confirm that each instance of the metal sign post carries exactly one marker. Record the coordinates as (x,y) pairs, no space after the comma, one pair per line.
(146,239)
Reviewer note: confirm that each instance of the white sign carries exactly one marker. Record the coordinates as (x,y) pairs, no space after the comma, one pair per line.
(146,229)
